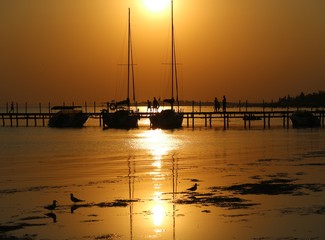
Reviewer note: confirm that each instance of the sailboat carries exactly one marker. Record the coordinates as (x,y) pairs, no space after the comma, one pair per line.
(169,118)
(119,114)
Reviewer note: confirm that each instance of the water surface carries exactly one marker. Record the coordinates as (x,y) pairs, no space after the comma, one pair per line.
(252,184)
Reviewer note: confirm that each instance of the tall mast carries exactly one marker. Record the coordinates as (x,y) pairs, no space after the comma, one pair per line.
(173,49)
(129,49)
(130,61)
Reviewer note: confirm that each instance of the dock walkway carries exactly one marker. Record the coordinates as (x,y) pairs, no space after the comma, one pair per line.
(191,119)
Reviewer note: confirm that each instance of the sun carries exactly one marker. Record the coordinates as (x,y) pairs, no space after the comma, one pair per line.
(156,5)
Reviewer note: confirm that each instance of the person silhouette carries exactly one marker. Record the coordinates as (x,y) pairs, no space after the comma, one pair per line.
(12,108)
(216,105)
(148,106)
(155,104)
(224,104)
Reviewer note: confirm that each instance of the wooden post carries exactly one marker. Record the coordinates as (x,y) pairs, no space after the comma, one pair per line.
(283,120)
(3,120)
(263,114)
(205,120)
(26,114)
(10,116)
(245,121)
(187,120)
(249,120)
(192,119)
(17,122)
(35,120)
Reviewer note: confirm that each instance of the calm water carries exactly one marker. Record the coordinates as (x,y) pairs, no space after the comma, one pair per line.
(252,184)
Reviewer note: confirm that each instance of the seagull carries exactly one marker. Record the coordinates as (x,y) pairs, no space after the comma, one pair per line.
(193,188)
(52,206)
(74,199)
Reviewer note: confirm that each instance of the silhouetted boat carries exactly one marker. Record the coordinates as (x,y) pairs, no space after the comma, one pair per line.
(169,118)
(67,117)
(304,119)
(118,114)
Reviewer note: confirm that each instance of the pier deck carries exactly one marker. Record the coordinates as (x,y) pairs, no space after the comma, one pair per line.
(191,119)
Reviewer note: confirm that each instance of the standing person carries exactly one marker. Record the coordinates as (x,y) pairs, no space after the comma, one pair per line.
(148,106)
(155,104)
(216,105)
(12,109)
(224,103)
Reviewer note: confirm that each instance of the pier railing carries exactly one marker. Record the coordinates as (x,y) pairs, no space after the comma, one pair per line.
(194,116)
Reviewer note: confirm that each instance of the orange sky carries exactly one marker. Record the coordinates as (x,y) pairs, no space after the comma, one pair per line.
(70,50)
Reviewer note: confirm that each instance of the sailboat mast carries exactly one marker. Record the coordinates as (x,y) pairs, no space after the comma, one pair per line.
(173,49)
(129,49)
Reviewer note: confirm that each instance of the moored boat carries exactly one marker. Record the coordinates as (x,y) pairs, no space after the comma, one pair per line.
(67,117)
(119,114)
(304,119)
(169,118)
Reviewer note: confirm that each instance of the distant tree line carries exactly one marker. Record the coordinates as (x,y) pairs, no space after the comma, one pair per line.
(312,100)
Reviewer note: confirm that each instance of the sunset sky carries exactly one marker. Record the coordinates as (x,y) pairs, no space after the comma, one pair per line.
(74,50)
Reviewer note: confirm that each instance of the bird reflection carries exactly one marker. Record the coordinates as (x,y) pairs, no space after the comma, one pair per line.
(74,207)
(51,215)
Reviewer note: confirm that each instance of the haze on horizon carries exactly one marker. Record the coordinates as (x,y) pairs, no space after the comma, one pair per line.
(247,50)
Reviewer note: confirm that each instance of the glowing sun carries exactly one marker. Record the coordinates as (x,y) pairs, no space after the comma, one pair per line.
(156,5)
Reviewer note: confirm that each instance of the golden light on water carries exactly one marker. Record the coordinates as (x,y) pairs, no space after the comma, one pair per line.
(160,145)
(158,210)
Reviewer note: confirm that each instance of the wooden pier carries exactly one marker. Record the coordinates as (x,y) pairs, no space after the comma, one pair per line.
(246,119)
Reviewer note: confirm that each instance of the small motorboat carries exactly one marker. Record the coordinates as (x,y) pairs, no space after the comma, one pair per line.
(67,117)
(304,119)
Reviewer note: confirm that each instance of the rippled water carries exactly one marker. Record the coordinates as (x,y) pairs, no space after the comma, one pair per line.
(252,184)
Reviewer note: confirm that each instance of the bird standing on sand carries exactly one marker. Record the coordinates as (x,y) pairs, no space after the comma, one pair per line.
(74,199)
(52,206)
(193,188)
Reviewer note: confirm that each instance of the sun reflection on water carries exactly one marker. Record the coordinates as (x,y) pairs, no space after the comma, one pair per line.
(160,145)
